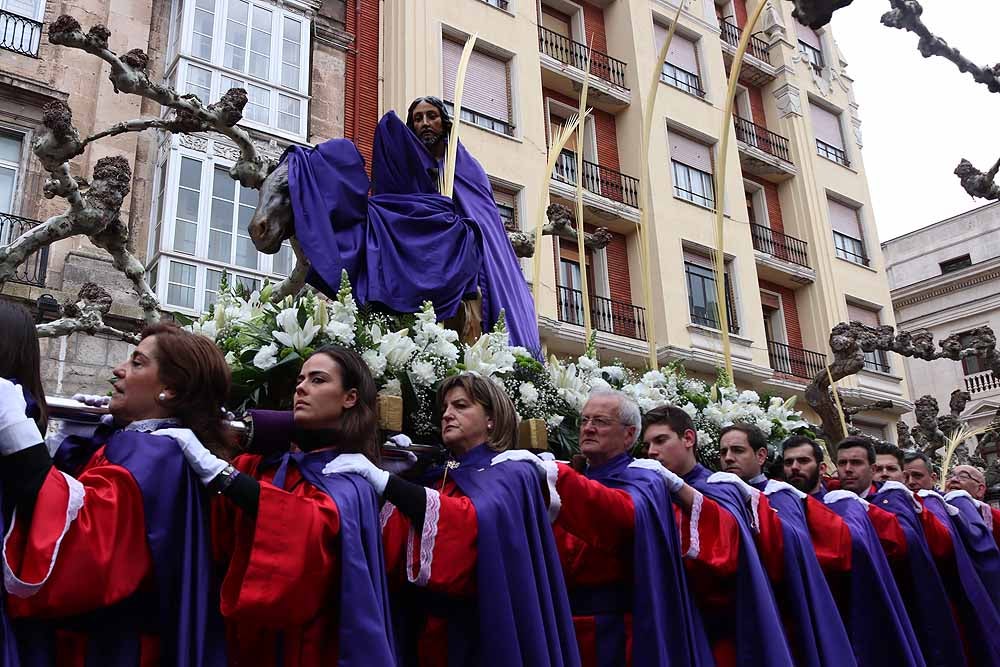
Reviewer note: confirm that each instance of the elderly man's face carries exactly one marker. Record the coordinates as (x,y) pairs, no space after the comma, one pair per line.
(967,478)
(427,123)
(602,434)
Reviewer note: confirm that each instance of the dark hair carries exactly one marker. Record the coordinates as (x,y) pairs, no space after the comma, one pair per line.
(799,441)
(755,437)
(495,402)
(195,369)
(858,441)
(887,448)
(910,457)
(435,102)
(678,420)
(20,359)
(357,429)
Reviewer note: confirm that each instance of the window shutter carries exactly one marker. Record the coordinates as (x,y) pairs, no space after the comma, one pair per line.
(697,258)
(690,152)
(826,125)
(808,35)
(844,219)
(485,81)
(682,52)
(769,300)
(863,315)
(556,21)
(503,197)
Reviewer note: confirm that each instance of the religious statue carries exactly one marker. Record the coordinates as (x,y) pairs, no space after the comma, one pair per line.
(400,241)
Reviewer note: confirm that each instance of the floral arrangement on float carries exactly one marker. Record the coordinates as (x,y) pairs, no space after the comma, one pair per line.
(266,342)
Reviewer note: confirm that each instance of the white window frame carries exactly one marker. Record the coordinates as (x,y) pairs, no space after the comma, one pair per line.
(178,62)
(16,167)
(160,255)
(683,177)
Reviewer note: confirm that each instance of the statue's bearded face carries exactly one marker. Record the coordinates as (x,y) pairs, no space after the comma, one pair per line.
(427,123)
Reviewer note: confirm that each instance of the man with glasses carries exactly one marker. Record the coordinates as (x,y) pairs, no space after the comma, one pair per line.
(967,478)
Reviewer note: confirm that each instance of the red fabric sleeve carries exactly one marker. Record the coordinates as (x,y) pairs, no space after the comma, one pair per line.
(715,534)
(996,525)
(831,537)
(937,534)
(770,540)
(890,533)
(286,562)
(103,557)
(602,517)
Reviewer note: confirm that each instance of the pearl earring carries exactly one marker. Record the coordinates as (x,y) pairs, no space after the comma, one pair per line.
(162,396)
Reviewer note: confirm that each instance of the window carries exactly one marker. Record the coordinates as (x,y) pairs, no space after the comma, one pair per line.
(180,284)
(283,260)
(228,238)
(213,281)
(10,164)
(486,95)
(262,48)
(161,191)
(829,138)
(691,164)
(506,202)
(188,203)
(877,360)
(847,236)
(876,431)
(971,365)
(17,34)
(680,69)
(956,264)
(810,46)
(702,299)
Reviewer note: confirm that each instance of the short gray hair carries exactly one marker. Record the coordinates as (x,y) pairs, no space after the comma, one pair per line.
(628,409)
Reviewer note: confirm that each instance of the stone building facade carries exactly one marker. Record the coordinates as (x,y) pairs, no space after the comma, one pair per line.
(945,278)
(187,222)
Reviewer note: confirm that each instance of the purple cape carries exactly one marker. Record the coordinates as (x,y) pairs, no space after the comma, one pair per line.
(874,612)
(365,627)
(820,639)
(921,586)
(523,610)
(399,250)
(184,608)
(755,621)
(979,544)
(980,620)
(666,627)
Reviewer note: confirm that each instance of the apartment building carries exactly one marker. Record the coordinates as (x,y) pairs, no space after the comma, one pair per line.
(801,248)
(186,215)
(944,278)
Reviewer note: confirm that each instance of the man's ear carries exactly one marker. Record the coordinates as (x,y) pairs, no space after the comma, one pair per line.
(762,455)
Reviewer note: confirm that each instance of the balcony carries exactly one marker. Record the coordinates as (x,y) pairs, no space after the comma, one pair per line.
(32,271)
(762,152)
(981,383)
(608,315)
(795,361)
(19,34)
(757,69)
(781,258)
(563,64)
(617,193)
(832,153)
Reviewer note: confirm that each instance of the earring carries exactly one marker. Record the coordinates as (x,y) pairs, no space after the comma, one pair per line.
(162,396)
(489,426)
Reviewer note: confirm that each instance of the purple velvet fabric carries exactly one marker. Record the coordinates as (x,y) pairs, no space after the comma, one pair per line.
(754,621)
(667,628)
(979,543)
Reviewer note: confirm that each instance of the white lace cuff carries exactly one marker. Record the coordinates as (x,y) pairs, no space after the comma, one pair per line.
(695,539)
(555,501)
(428,535)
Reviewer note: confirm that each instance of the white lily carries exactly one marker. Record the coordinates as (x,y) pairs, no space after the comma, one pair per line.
(266,357)
(292,334)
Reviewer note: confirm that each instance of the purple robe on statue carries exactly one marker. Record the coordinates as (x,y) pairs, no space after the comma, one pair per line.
(874,612)
(406,243)
(760,637)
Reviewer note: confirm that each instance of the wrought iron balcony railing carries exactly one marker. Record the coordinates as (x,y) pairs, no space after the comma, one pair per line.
(567,51)
(599,180)
(19,34)
(795,360)
(617,317)
(757,47)
(31,271)
(779,245)
(831,152)
(760,137)
(980,382)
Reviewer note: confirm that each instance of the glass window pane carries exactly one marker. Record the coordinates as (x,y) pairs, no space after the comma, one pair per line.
(259,65)
(190,173)
(246,254)
(223,185)
(201,46)
(282,263)
(7,178)
(207,5)
(248,196)
(219,245)
(187,204)
(251,284)
(199,82)
(222,215)
(180,296)
(183,273)
(234,57)
(289,75)
(239,10)
(262,20)
(288,113)
(185,236)
(10,148)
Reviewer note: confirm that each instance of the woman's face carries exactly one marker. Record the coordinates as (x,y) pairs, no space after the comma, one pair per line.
(320,398)
(464,422)
(137,386)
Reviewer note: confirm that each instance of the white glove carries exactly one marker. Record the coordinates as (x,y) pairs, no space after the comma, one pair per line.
(674,483)
(399,440)
(745,489)
(93,400)
(359,465)
(205,464)
(399,463)
(519,455)
(17,430)
(547,456)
